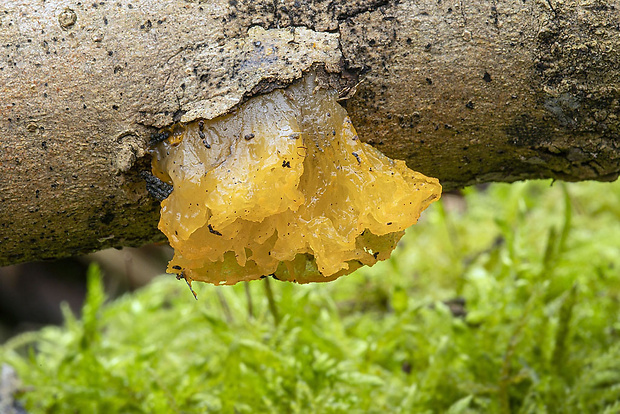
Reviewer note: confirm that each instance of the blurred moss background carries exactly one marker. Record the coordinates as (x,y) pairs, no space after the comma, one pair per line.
(503,299)
(31,293)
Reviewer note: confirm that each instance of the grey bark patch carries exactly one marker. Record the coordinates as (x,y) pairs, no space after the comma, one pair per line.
(564,108)
(281,57)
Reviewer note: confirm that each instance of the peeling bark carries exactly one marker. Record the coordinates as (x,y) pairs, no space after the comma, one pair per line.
(467,92)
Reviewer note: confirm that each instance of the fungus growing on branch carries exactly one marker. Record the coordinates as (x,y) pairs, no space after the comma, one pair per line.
(284,187)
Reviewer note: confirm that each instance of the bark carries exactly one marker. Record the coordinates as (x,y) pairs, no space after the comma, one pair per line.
(468,92)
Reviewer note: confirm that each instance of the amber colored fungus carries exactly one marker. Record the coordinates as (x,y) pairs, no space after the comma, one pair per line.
(283,186)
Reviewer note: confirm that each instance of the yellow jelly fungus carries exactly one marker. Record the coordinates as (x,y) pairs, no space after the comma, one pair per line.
(283,187)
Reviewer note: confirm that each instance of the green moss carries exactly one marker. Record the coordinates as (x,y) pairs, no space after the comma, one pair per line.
(539,331)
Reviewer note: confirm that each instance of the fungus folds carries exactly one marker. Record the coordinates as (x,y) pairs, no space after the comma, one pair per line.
(284,187)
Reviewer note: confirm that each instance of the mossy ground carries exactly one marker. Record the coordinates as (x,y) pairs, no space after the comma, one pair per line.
(509,304)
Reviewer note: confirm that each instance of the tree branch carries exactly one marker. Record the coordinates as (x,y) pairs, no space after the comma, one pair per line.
(467,92)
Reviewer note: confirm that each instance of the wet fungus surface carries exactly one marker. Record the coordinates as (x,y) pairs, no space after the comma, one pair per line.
(283,187)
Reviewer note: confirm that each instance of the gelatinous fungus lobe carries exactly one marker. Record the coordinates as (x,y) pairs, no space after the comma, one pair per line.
(283,186)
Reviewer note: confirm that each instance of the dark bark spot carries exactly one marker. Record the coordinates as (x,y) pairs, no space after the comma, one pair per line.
(108,217)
